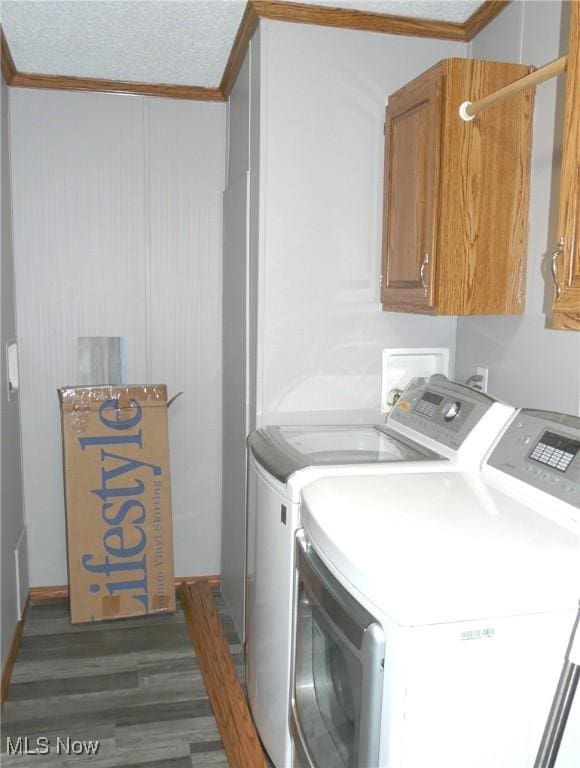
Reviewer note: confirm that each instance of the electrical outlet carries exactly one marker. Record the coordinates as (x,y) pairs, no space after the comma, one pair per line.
(484,373)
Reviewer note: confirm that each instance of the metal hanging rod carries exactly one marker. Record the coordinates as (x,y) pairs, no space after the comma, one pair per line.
(468,110)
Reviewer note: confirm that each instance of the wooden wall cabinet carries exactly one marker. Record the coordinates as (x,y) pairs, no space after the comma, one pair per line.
(456,193)
(566,256)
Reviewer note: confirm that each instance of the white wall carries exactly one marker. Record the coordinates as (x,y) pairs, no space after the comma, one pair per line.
(529,364)
(11,504)
(117,232)
(321,325)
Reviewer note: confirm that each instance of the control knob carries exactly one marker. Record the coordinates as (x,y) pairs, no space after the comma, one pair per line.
(451,410)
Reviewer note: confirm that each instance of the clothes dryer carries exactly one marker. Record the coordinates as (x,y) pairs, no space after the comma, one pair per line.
(436,426)
(434,611)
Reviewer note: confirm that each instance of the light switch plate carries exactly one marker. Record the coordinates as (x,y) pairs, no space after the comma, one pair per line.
(403,364)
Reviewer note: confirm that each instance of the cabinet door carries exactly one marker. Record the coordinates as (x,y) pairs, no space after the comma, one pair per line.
(412,161)
(566,257)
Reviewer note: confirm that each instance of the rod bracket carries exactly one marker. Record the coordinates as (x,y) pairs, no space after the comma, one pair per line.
(463,113)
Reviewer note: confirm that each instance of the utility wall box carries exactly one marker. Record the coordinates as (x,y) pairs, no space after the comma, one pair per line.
(118,501)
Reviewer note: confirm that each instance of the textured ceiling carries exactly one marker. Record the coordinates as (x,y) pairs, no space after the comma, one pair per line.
(182,42)
(149,41)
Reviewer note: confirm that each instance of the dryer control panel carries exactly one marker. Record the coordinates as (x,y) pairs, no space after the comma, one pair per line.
(542,449)
(440,409)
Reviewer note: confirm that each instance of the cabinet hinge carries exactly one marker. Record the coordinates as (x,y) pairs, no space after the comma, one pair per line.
(381,282)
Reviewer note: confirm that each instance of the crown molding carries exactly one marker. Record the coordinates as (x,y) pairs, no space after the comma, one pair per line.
(482,17)
(62,83)
(376,22)
(255,10)
(248,26)
(7,62)
(349,18)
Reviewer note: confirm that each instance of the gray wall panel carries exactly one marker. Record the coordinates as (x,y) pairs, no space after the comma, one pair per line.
(238,338)
(117,220)
(239,124)
(234,399)
(11,502)
(79,239)
(254,227)
(187,166)
(321,325)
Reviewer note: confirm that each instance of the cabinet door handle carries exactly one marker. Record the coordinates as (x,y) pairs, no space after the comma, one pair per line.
(424,264)
(556,253)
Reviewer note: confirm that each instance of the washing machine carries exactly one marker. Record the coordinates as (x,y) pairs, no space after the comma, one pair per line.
(436,426)
(433,612)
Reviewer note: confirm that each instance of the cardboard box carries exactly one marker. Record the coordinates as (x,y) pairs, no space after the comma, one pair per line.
(118,501)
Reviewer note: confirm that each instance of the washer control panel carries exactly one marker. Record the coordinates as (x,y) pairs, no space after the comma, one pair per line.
(440,409)
(555,451)
(543,450)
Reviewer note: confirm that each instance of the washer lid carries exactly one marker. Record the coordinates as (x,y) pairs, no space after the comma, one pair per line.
(285,450)
(433,548)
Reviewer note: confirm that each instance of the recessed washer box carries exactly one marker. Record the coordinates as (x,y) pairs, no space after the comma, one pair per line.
(402,364)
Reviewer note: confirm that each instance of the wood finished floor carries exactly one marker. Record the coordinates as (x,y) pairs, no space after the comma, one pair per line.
(134,685)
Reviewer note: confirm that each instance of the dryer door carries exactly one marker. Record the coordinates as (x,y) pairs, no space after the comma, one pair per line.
(338,671)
